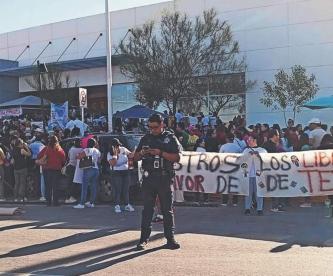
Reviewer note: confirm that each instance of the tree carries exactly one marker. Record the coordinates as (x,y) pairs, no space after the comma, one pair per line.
(166,61)
(52,84)
(289,91)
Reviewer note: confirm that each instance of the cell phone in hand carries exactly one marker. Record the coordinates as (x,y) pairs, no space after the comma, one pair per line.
(145,148)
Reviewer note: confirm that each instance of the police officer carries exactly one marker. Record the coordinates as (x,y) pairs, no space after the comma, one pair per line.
(158,151)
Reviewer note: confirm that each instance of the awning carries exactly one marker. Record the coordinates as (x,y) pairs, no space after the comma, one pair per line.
(68,65)
(320,103)
(28,101)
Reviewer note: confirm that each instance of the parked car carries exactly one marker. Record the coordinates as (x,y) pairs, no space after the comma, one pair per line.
(130,141)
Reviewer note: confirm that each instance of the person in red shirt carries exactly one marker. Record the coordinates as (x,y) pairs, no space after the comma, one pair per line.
(52,158)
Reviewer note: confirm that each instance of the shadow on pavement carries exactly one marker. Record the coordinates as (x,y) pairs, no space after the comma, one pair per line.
(60,243)
(58,266)
(296,226)
(98,263)
(303,227)
(21,225)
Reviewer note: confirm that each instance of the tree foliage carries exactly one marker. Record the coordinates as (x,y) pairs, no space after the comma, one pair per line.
(51,85)
(289,91)
(166,61)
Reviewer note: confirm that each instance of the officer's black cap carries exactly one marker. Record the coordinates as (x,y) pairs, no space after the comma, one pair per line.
(155,118)
(115,142)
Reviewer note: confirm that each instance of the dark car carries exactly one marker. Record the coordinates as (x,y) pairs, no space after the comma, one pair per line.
(130,141)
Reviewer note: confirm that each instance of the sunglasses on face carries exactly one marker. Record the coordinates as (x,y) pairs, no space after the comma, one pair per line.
(154,127)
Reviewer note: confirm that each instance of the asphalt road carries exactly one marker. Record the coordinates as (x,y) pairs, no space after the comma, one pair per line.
(214,241)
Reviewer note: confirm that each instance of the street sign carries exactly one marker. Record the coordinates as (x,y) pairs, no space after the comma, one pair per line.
(83,97)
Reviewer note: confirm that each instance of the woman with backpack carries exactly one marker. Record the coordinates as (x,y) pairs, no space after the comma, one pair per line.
(89,160)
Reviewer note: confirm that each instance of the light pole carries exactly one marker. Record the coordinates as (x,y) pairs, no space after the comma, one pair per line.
(108,65)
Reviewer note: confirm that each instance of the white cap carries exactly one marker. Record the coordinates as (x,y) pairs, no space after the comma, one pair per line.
(315,121)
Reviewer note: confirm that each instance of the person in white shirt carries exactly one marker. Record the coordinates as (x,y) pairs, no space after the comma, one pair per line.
(239,141)
(200,145)
(254,150)
(205,121)
(179,116)
(316,133)
(77,123)
(71,170)
(193,120)
(90,175)
(230,147)
(118,160)
(36,147)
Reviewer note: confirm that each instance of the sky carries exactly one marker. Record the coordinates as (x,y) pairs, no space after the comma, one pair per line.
(21,14)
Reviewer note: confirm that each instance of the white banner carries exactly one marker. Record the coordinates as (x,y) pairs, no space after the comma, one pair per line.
(210,173)
(294,174)
(10,112)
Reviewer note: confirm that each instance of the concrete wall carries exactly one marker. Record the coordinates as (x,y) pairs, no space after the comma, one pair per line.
(273,34)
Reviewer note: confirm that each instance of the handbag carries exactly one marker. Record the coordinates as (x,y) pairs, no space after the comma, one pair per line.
(86,162)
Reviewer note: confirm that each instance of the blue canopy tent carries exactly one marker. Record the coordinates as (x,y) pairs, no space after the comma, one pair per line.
(24,105)
(320,103)
(24,102)
(136,112)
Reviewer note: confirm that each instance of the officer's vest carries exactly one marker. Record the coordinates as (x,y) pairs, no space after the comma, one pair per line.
(157,163)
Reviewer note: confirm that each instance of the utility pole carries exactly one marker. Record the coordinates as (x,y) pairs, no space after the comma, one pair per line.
(108,65)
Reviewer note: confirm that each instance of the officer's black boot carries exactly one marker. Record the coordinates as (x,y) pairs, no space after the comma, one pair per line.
(172,244)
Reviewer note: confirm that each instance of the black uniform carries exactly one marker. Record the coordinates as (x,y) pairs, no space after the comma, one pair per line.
(157,176)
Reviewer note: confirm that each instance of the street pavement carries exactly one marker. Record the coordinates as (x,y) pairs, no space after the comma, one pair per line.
(214,241)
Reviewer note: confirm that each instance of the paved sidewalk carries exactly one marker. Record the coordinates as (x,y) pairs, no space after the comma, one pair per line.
(215,241)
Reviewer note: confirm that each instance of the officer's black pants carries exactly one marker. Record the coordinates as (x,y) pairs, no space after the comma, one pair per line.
(152,186)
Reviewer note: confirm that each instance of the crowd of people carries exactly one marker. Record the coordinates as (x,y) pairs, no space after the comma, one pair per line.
(28,147)
(209,134)
(31,153)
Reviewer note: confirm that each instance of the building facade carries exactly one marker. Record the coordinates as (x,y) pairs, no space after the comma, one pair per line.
(273,35)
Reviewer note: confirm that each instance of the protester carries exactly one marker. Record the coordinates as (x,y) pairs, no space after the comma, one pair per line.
(179,116)
(52,158)
(254,151)
(230,147)
(36,147)
(75,122)
(271,146)
(90,174)
(118,158)
(182,135)
(72,187)
(200,197)
(304,146)
(21,153)
(211,142)
(199,145)
(193,120)
(316,133)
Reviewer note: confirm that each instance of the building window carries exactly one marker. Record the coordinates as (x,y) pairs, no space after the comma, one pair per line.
(123,96)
